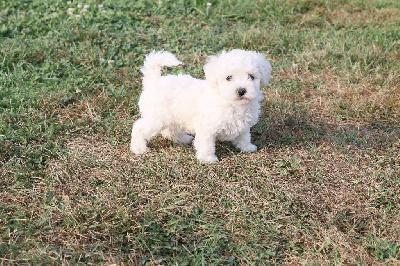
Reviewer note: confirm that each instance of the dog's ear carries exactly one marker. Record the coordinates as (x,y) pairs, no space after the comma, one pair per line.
(264,67)
(210,70)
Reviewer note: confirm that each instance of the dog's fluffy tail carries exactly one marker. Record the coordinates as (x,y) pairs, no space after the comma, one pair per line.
(155,61)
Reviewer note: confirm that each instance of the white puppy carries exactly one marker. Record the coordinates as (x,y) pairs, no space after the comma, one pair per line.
(222,107)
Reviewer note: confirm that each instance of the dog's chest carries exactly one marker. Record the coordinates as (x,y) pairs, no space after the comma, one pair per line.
(236,121)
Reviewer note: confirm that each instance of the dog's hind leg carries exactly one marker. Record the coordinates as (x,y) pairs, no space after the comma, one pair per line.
(183,138)
(143,130)
(174,134)
(243,142)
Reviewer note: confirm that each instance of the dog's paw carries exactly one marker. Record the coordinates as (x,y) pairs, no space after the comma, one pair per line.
(138,147)
(249,148)
(208,158)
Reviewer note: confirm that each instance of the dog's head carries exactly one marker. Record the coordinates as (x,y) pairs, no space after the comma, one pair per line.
(238,74)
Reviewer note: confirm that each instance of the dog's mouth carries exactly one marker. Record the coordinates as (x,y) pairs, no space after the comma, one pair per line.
(242,94)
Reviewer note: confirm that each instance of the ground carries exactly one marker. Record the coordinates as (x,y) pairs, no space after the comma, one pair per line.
(323,187)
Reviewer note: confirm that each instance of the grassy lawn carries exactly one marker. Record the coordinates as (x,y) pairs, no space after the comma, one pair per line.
(323,187)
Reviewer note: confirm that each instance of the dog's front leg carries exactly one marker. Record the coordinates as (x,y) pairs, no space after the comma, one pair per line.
(243,142)
(204,143)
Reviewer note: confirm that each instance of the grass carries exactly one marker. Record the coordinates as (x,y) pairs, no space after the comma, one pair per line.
(323,188)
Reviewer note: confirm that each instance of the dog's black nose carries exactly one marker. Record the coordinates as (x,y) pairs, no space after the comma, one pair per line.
(241,92)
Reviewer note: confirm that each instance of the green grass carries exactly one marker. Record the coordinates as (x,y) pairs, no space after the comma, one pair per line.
(323,188)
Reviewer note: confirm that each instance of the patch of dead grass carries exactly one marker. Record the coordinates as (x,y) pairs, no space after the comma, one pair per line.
(349,14)
(321,200)
(328,95)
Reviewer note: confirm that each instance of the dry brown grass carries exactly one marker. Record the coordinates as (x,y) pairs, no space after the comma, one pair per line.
(320,198)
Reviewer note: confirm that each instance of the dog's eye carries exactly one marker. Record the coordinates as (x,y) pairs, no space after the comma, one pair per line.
(229,78)
(251,77)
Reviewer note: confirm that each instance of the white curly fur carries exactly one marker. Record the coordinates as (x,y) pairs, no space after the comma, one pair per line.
(223,107)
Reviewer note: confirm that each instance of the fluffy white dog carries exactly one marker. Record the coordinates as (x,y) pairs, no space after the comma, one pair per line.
(222,107)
